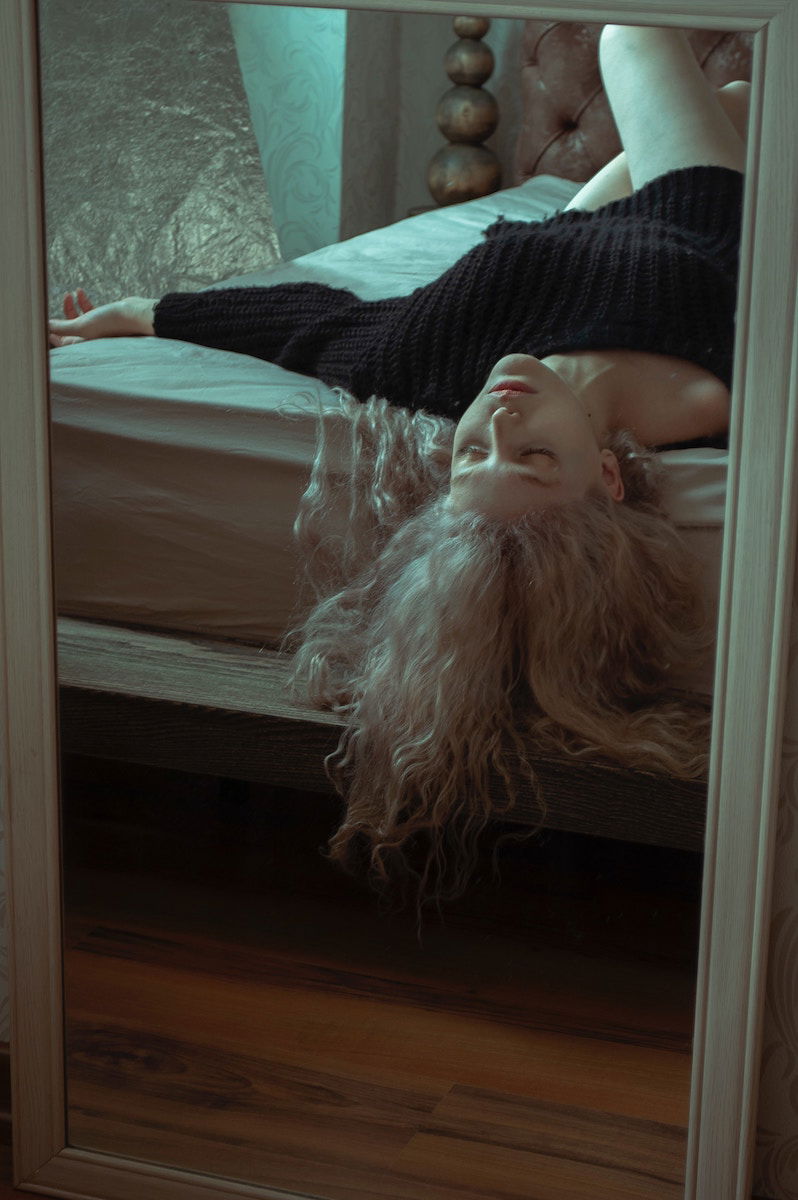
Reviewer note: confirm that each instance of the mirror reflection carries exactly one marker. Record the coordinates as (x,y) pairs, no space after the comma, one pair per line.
(500,427)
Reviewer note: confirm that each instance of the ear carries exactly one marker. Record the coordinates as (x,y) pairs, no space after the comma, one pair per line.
(611,475)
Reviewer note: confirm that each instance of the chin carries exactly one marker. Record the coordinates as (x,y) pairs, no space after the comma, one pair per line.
(517,363)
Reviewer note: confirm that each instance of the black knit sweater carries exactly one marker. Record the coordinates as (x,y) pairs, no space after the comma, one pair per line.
(656,271)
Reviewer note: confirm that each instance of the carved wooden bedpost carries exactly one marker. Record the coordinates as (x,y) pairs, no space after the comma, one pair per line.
(467,114)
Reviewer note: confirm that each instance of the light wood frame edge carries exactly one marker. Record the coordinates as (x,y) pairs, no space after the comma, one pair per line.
(85,1175)
(761,518)
(28,758)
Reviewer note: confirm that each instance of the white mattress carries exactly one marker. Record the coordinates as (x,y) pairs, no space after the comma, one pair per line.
(177,469)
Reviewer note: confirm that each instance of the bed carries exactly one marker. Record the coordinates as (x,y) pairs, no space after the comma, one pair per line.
(176,476)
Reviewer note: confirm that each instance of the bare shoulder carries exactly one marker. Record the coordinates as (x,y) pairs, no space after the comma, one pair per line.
(664,399)
(709,398)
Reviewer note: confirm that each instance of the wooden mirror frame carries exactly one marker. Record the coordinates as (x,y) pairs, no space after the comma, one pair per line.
(751,668)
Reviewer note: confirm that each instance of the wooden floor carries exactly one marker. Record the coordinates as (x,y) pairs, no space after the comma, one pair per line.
(235,1006)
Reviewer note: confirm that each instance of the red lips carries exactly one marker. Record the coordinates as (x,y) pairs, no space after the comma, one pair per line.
(511,385)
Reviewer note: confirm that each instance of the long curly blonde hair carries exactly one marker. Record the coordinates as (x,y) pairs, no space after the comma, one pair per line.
(456,646)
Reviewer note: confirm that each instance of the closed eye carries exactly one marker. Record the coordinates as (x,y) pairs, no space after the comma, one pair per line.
(525,453)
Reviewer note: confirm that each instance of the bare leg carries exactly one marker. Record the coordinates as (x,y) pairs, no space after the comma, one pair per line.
(735,100)
(667,113)
(613,181)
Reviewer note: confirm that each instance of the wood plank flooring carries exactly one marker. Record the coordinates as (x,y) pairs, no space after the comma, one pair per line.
(236,1006)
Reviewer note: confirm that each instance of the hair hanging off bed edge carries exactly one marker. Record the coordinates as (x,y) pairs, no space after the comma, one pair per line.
(454,645)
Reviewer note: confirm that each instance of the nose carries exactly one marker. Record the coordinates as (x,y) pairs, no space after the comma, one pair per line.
(504,431)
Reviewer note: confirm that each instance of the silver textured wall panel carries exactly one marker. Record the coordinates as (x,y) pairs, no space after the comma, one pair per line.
(153,179)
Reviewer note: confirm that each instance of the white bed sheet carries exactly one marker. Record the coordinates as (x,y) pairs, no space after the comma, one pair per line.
(177,469)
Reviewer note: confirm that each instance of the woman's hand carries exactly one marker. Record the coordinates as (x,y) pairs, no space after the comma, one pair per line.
(130,317)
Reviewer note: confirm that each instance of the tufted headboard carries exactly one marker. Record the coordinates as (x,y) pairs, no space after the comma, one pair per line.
(567,128)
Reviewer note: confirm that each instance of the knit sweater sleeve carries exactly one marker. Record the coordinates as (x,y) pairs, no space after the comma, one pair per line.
(307,327)
(655,271)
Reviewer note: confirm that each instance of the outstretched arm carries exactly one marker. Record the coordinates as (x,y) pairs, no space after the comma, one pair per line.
(130,317)
(308,327)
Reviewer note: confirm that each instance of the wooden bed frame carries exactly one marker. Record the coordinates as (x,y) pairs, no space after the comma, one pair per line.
(221,708)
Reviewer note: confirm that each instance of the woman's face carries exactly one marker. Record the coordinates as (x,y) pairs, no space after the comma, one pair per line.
(526,442)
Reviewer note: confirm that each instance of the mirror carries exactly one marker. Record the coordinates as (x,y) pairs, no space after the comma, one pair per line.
(84,1159)
(233,1005)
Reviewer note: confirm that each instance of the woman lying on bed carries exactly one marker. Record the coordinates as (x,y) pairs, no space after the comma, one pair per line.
(510,579)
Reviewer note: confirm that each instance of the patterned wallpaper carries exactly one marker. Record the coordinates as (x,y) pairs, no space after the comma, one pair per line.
(343,109)
(292,63)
